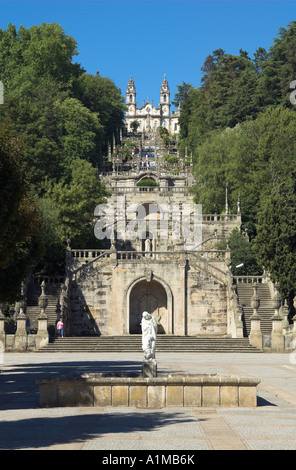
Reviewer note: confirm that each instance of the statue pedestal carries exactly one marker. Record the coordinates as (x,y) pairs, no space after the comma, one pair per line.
(149,369)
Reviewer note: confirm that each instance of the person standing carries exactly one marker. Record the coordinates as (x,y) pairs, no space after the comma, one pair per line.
(60,328)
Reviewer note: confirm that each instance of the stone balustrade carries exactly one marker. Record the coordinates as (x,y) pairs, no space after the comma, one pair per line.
(250,279)
(220,217)
(90,255)
(139,189)
(83,253)
(38,279)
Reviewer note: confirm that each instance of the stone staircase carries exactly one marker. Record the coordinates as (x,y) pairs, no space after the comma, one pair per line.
(52,291)
(133,343)
(265,311)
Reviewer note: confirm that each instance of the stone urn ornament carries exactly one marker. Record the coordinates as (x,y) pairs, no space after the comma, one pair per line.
(43,300)
(277,300)
(255,299)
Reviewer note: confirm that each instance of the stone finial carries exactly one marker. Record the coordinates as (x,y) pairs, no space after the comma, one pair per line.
(43,300)
(255,299)
(277,300)
(285,314)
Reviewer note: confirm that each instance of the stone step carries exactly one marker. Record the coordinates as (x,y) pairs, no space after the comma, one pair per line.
(133,343)
(265,310)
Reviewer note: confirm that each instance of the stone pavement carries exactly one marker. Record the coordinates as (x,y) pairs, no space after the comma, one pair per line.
(269,426)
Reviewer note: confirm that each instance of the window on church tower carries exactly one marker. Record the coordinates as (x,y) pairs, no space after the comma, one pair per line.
(164,98)
(131,98)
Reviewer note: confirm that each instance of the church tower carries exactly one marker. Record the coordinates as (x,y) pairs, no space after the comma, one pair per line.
(164,104)
(131,97)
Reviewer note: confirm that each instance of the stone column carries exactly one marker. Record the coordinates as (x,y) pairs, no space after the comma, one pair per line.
(255,337)
(277,337)
(42,336)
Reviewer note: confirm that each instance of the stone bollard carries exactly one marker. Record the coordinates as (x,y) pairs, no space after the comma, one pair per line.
(42,336)
(285,323)
(277,337)
(255,337)
(21,336)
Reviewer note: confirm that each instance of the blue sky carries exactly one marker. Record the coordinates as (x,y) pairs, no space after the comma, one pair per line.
(147,39)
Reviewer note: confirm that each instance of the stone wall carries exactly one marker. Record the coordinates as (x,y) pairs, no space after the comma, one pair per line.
(187,296)
(157,392)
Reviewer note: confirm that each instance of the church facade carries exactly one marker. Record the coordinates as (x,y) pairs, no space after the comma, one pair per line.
(148,117)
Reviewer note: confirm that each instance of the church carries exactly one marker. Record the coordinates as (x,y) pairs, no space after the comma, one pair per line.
(148,117)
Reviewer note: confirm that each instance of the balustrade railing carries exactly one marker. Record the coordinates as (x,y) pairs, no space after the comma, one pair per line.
(219,217)
(38,279)
(249,279)
(89,255)
(78,253)
(139,189)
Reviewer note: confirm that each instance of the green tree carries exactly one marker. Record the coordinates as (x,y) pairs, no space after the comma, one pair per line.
(246,157)
(182,94)
(19,219)
(100,95)
(279,69)
(60,111)
(80,133)
(242,252)
(275,243)
(73,204)
(134,125)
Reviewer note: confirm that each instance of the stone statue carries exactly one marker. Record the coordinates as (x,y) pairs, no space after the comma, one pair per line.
(147,244)
(149,330)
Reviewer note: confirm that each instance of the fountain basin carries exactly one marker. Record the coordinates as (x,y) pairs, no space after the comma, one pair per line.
(165,390)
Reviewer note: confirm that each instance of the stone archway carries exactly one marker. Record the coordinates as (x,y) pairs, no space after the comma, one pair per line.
(148,296)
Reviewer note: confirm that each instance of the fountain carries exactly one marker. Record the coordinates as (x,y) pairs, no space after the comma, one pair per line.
(148,389)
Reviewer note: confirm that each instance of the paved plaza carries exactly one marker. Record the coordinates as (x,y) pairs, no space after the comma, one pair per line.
(269,426)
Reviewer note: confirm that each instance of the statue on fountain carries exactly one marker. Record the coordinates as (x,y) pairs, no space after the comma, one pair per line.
(149,331)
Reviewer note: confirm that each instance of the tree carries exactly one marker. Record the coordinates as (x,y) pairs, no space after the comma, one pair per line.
(80,133)
(182,94)
(61,112)
(246,157)
(100,95)
(134,125)
(242,252)
(19,218)
(279,69)
(75,202)
(275,243)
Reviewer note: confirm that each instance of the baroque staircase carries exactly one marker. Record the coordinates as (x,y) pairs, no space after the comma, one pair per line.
(265,310)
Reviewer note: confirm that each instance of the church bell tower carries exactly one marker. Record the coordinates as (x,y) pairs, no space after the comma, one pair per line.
(165,97)
(164,104)
(131,97)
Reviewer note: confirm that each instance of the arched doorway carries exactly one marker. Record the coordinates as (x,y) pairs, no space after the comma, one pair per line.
(148,296)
